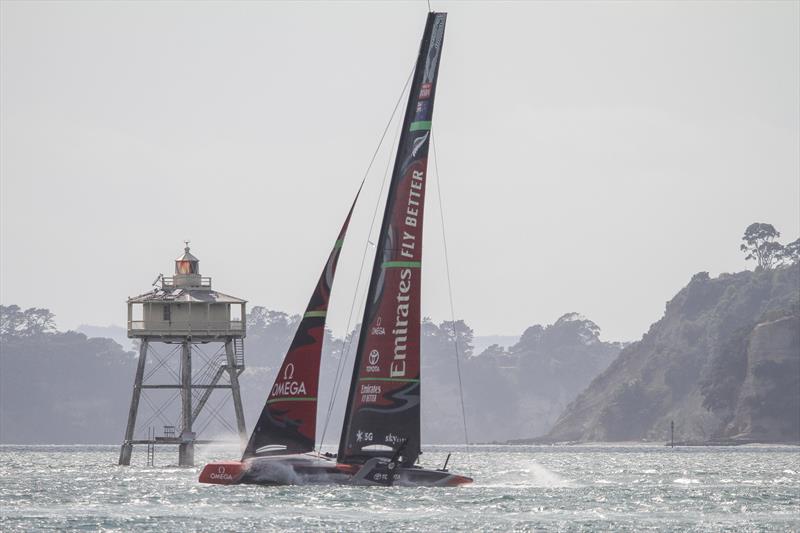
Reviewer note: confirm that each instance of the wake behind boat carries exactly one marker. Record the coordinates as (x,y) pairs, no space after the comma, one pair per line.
(380,439)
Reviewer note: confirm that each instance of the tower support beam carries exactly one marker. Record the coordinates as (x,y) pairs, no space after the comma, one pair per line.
(233,372)
(186,449)
(127,446)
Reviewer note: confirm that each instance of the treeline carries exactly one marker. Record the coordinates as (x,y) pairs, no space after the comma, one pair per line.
(724,362)
(63,387)
(60,387)
(508,392)
(14,322)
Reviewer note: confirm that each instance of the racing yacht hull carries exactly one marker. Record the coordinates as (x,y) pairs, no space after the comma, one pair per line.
(303,469)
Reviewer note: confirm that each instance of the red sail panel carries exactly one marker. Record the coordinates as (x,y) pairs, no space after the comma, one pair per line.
(383,410)
(288,421)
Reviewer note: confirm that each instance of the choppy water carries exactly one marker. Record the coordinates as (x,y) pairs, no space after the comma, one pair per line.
(604,488)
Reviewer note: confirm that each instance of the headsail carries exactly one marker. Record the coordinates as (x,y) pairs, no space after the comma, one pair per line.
(383,407)
(288,421)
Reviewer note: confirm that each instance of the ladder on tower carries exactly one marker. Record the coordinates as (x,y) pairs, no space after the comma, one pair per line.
(238,354)
(151,446)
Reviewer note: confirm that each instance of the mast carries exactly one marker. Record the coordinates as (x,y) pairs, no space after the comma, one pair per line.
(288,421)
(382,415)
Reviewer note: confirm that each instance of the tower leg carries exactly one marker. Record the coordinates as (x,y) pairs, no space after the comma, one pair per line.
(127,447)
(186,448)
(233,372)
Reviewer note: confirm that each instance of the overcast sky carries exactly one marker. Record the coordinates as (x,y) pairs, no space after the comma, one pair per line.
(593,156)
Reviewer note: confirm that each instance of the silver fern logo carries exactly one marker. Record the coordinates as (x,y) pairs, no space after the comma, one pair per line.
(418,143)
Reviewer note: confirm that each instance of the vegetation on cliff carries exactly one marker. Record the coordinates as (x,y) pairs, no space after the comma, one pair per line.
(723,364)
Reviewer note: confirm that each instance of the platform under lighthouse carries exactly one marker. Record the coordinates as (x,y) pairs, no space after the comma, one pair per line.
(191,345)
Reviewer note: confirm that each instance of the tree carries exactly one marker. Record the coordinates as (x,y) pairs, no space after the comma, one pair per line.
(461,333)
(760,244)
(530,338)
(29,323)
(439,338)
(261,318)
(494,350)
(38,321)
(10,320)
(791,252)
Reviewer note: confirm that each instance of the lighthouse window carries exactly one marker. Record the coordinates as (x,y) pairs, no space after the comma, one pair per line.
(167,313)
(185,267)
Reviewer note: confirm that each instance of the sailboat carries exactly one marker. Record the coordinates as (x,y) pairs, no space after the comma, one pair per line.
(380,438)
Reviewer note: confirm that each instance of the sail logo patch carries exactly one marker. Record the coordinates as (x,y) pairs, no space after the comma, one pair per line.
(391,438)
(364,436)
(433,50)
(369,393)
(425,91)
(418,143)
(378,329)
(288,387)
(374,357)
(422,110)
(432,58)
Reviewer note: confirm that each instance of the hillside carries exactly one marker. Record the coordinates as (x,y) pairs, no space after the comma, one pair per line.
(723,363)
(63,387)
(508,393)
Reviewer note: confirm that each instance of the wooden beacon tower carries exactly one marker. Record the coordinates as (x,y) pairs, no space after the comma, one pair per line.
(183,311)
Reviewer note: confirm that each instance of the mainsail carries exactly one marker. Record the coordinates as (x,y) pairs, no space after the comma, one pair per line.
(288,421)
(383,407)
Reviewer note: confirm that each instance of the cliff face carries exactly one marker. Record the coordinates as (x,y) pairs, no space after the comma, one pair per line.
(723,363)
(766,409)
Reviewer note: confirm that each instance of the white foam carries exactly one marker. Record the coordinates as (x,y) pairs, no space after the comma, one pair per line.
(529,473)
(275,472)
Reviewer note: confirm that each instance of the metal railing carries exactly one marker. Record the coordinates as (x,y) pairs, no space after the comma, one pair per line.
(168,282)
(165,327)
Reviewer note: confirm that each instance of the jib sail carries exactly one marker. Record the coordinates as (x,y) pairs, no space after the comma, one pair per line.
(383,408)
(288,421)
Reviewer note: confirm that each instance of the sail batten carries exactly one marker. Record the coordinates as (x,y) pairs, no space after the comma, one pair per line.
(287,423)
(383,406)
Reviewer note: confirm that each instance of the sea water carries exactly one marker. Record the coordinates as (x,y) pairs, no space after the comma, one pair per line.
(586,488)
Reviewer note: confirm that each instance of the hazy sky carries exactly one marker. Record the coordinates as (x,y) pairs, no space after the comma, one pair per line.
(593,156)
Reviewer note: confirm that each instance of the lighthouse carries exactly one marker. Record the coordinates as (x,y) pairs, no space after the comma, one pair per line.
(183,318)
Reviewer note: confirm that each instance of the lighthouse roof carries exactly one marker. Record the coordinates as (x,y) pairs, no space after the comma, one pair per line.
(187,256)
(187,295)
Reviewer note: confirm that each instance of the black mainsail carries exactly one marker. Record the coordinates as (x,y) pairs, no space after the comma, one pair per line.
(383,407)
